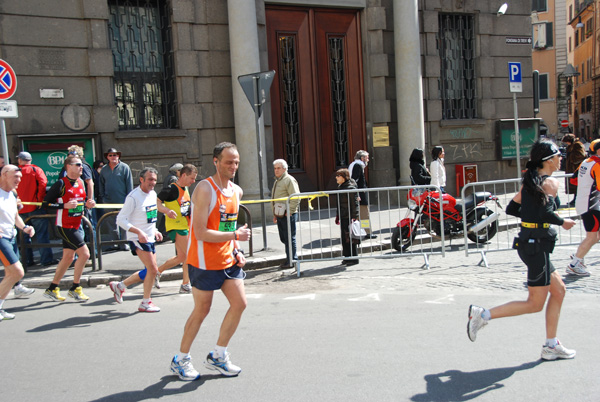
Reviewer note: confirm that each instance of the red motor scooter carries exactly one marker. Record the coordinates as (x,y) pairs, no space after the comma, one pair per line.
(481,221)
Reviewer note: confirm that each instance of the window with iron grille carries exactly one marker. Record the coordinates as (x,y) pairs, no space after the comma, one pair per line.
(139,34)
(456,44)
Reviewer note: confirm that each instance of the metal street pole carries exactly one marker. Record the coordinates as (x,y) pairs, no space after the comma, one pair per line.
(517,136)
(257,116)
(4,142)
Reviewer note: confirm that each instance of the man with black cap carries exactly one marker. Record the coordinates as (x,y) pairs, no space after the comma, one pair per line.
(33,189)
(115,183)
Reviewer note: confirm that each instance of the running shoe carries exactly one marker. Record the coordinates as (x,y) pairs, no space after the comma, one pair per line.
(476,321)
(148,308)
(22,290)
(118,292)
(6,316)
(578,269)
(557,352)
(78,294)
(54,294)
(185,288)
(222,365)
(157,281)
(184,369)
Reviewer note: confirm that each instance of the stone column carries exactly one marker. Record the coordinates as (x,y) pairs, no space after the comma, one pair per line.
(409,84)
(243,42)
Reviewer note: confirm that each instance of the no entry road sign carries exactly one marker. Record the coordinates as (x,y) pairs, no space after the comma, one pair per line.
(8,80)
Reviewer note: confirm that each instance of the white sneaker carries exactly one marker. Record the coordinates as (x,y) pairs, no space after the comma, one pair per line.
(148,308)
(6,316)
(157,281)
(578,269)
(184,369)
(222,365)
(476,321)
(22,290)
(557,352)
(118,292)
(185,288)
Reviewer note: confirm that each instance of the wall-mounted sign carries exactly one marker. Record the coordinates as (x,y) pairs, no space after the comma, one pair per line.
(528,134)
(46,93)
(381,136)
(8,109)
(518,40)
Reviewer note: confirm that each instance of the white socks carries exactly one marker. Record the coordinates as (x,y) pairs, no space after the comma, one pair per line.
(220,351)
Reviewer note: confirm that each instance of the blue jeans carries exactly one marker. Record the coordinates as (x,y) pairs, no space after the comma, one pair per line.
(283,234)
(41,236)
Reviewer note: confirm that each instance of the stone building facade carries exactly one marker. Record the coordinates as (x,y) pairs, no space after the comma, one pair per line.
(82,76)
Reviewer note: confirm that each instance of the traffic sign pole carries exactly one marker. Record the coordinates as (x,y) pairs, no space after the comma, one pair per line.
(515,83)
(4,142)
(517,135)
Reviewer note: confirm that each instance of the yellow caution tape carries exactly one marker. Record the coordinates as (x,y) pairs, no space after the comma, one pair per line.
(298,197)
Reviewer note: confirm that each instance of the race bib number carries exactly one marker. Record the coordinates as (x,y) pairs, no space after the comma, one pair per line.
(228,222)
(78,210)
(151,213)
(185,208)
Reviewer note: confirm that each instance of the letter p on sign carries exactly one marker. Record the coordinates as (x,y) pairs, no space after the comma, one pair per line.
(514,77)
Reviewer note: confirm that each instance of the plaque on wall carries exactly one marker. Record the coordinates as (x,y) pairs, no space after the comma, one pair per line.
(381,136)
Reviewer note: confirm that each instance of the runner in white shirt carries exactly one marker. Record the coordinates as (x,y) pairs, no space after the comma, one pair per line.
(9,217)
(138,218)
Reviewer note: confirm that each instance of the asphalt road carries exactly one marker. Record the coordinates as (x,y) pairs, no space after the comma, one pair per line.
(384,330)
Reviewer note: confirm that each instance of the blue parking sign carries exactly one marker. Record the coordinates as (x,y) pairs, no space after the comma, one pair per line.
(514,77)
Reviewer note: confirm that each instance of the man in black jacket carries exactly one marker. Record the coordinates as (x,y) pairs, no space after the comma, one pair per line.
(357,173)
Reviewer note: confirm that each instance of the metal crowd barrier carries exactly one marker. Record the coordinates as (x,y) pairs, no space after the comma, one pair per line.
(499,235)
(318,237)
(23,246)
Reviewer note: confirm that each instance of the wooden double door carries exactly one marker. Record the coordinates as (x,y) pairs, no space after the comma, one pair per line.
(317,95)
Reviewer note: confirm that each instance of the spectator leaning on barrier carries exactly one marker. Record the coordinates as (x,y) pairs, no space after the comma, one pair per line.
(357,173)
(33,189)
(575,155)
(284,186)
(115,183)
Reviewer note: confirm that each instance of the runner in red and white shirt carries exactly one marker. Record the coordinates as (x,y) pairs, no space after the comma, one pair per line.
(67,196)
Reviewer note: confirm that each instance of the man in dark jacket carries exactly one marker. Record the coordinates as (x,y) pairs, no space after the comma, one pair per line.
(357,173)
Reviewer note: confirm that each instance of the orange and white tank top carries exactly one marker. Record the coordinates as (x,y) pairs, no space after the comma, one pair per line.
(223,213)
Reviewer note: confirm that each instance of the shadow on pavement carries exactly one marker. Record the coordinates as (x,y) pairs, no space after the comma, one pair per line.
(156,391)
(456,385)
(85,321)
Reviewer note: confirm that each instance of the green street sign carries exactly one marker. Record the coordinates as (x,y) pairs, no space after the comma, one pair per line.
(50,154)
(528,134)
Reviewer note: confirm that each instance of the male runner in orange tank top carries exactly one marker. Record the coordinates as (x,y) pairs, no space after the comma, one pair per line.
(215,261)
